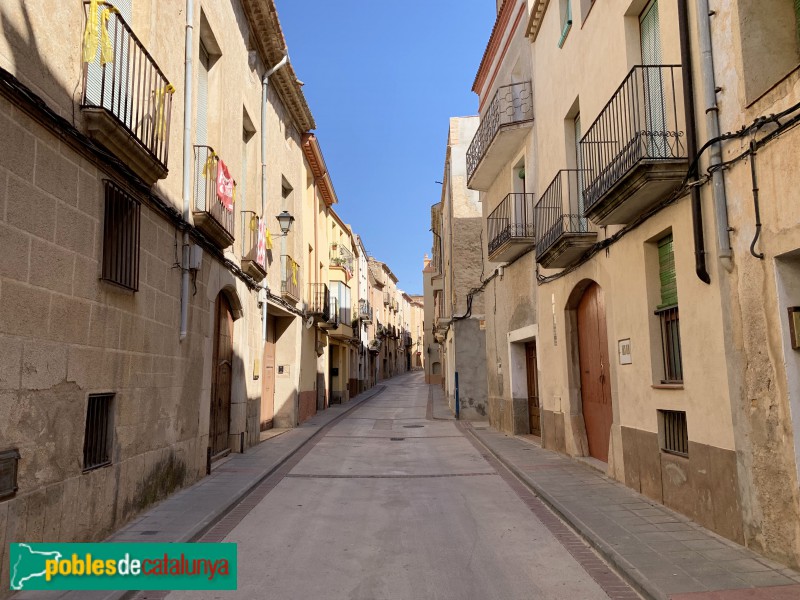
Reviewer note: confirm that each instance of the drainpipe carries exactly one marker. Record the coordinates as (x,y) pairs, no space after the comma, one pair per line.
(187,166)
(712,125)
(264,86)
(691,144)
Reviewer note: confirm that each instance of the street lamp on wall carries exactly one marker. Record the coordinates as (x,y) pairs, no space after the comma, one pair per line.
(285,221)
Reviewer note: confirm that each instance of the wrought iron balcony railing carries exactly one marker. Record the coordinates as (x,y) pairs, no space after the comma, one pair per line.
(341,257)
(511,221)
(319,301)
(211,214)
(562,237)
(290,277)
(364,310)
(642,123)
(131,88)
(386,299)
(511,104)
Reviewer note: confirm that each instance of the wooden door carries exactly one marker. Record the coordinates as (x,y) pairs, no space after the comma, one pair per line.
(595,383)
(219,424)
(533,389)
(268,376)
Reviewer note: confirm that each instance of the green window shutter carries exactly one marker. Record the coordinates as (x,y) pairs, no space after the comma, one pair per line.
(666,268)
(797,19)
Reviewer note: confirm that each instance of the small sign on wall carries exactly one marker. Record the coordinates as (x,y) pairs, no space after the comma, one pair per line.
(625,357)
(794,327)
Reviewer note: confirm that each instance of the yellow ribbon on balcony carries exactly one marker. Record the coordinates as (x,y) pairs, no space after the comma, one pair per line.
(210,164)
(268,241)
(106,49)
(161,109)
(253,223)
(294,272)
(90,38)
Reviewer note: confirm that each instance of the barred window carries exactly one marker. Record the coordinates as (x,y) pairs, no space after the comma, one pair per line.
(9,460)
(674,432)
(121,229)
(98,435)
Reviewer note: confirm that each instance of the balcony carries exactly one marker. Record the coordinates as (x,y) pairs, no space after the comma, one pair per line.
(634,153)
(510,228)
(503,127)
(290,277)
(319,302)
(343,328)
(364,310)
(254,245)
(333,319)
(374,345)
(211,215)
(342,258)
(127,103)
(407,341)
(562,238)
(386,299)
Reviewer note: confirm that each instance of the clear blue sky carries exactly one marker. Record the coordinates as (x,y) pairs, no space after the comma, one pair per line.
(382,79)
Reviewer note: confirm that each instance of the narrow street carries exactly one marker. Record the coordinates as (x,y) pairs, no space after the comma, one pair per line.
(390,503)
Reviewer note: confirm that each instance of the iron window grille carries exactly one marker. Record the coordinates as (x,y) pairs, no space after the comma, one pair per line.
(671,344)
(121,232)
(97,439)
(9,461)
(674,432)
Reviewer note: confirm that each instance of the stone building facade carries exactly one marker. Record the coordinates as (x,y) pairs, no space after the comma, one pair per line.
(461,323)
(657,300)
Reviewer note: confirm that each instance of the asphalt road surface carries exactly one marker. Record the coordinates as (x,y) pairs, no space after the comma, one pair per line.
(390,504)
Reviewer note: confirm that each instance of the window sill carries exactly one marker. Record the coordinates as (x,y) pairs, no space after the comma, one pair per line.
(667,386)
(674,453)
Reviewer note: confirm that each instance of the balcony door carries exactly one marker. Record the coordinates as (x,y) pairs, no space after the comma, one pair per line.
(653,86)
(577,193)
(201,128)
(109,86)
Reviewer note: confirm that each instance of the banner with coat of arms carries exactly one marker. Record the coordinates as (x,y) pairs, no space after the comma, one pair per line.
(224,186)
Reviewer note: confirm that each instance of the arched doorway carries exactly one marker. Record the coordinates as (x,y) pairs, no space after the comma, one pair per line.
(221,377)
(594,371)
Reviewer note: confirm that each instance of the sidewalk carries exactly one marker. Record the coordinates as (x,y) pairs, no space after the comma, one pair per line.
(661,553)
(186,515)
